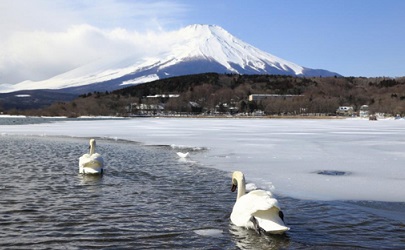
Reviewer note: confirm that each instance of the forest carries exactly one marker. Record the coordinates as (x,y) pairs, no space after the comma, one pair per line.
(228,94)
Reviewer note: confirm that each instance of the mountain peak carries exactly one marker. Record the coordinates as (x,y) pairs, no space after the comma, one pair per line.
(215,43)
(201,33)
(202,27)
(204,31)
(197,48)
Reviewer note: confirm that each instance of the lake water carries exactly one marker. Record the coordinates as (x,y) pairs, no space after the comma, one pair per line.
(150,199)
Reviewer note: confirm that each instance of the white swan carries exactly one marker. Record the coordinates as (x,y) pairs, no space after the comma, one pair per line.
(182,155)
(257,209)
(91,163)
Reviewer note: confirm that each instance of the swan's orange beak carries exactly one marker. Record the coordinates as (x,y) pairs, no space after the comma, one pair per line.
(233,188)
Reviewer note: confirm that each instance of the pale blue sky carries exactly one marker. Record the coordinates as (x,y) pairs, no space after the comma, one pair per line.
(351,37)
(42,38)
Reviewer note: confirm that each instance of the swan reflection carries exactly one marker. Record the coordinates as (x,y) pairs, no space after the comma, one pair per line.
(249,239)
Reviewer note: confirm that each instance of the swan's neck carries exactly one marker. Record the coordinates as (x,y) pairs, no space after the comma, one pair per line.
(92,149)
(241,188)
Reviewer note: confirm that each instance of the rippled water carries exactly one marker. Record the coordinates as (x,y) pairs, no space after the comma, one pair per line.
(148,198)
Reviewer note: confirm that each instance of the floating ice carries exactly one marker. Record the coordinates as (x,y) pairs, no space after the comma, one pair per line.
(209,232)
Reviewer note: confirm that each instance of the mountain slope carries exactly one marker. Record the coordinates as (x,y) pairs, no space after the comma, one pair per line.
(195,49)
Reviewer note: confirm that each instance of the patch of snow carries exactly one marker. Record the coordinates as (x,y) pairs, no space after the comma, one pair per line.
(12,116)
(99,117)
(54,117)
(142,79)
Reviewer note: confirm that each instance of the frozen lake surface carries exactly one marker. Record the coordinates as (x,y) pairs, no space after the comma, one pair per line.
(345,159)
(340,183)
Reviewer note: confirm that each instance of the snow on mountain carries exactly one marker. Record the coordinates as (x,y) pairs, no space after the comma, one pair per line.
(215,43)
(191,50)
(142,79)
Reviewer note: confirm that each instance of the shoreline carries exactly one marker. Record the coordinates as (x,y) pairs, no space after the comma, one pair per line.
(289,117)
(245,117)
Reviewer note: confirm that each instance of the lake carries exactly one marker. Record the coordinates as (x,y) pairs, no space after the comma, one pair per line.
(148,198)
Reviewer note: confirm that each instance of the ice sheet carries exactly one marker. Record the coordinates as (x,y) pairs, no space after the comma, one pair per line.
(287,156)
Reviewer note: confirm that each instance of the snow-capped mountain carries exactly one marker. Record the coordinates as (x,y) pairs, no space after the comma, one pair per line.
(195,49)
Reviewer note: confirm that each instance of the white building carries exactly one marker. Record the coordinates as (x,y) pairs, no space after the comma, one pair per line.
(345,110)
(364,112)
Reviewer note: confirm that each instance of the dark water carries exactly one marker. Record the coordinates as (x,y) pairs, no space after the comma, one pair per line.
(148,199)
(21,120)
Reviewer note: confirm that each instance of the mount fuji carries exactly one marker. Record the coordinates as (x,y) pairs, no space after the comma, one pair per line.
(195,49)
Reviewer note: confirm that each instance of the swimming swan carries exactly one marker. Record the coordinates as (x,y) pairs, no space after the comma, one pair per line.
(91,163)
(257,210)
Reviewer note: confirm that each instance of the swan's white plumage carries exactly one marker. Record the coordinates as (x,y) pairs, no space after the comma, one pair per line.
(91,163)
(259,204)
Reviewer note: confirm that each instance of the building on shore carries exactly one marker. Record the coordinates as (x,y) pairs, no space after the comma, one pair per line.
(345,111)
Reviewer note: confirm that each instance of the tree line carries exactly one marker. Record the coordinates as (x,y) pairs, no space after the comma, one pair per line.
(225,93)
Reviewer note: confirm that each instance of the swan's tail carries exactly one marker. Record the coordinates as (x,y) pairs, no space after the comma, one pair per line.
(270,221)
(91,166)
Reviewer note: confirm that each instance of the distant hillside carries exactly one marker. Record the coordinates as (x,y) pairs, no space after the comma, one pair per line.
(33,99)
(224,93)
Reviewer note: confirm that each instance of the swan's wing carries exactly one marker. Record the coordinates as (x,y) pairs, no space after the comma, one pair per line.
(97,157)
(84,156)
(263,207)
(241,215)
(249,204)
(83,159)
(270,221)
(268,213)
(263,200)
(91,161)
